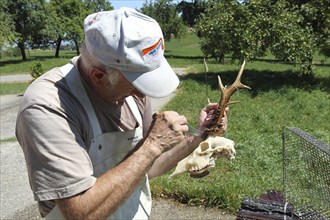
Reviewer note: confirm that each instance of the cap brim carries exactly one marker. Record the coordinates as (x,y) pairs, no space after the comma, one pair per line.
(157,83)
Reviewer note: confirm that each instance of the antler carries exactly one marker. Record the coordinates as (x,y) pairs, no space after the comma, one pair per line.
(215,128)
(203,157)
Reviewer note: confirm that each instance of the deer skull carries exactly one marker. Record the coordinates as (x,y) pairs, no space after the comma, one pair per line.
(215,146)
(204,156)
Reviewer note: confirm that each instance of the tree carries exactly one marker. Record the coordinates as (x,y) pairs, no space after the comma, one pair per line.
(27,18)
(316,15)
(43,22)
(97,5)
(7,33)
(190,11)
(292,30)
(297,29)
(68,19)
(90,6)
(165,13)
(220,29)
(54,29)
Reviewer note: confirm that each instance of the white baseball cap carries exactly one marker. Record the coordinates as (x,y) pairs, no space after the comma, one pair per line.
(134,44)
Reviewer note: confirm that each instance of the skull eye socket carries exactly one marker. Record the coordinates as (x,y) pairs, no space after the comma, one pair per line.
(204,146)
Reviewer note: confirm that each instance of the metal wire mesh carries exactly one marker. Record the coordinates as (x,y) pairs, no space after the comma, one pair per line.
(306,174)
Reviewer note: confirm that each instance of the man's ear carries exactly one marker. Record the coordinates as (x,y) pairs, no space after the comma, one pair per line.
(98,77)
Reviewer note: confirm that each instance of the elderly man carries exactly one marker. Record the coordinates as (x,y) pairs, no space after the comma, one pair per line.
(86,128)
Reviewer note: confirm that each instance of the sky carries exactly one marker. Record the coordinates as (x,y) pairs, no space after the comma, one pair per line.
(132,3)
(129,3)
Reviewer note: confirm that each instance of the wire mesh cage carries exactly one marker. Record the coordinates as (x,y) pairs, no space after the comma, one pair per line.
(306,183)
(306,174)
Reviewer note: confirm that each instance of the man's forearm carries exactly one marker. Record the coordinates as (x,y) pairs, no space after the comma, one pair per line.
(169,159)
(111,189)
(115,186)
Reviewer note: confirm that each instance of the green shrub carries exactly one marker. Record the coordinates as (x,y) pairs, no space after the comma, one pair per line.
(37,69)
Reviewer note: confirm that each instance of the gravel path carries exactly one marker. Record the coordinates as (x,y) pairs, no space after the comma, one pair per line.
(15,78)
(16,197)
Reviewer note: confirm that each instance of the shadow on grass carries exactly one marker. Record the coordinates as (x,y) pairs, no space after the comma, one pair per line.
(315,63)
(34,58)
(200,58)
(8,62)
(263,81)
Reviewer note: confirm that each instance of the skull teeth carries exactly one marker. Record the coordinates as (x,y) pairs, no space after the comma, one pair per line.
(196,170)
(200,175)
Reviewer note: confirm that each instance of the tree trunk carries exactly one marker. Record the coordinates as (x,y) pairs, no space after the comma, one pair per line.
(77,46)
(222,58)
(58,46)
(22,49)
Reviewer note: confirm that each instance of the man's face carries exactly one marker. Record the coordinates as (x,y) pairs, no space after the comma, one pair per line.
(120,90)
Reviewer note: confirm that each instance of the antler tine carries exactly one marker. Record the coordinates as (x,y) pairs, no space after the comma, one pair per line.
(205,65)
(222,88)
(237,82)
(240,72)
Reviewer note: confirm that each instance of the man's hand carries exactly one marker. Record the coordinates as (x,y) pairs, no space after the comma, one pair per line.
(167,130)
(163,132)
(206,116)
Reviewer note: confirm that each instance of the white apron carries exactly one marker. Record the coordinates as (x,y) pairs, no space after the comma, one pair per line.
(109,149)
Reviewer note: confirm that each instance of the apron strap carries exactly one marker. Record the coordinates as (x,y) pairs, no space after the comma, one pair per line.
(77,88)
(135,111)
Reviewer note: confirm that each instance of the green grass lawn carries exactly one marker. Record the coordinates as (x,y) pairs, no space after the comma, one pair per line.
(15,65)
(277,99)
(13,88)
(280,96)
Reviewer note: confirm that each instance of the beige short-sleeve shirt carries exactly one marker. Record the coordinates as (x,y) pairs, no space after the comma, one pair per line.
(55,134)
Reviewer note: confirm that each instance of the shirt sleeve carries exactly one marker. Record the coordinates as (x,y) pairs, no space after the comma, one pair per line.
(144,106)
(57,161)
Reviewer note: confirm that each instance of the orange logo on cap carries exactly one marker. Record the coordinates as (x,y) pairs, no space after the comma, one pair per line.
(154,49)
